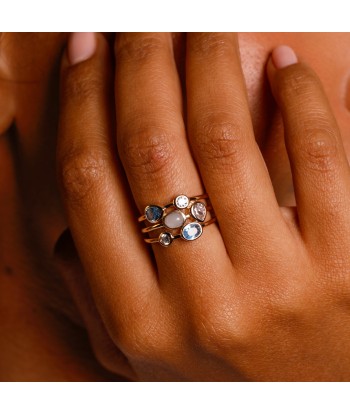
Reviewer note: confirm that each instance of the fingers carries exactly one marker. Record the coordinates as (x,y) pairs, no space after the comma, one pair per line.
(318,161)
(100,215)
(150,129)
(71,270)
(223,143)
(151,135)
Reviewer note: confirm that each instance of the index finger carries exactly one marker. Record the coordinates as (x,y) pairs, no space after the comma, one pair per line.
(100,215)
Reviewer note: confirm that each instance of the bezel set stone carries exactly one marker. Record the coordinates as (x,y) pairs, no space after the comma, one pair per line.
(199,211)
(153,213)
(165,238)
(191,231)
(184,218)
(174,219)
(181,201)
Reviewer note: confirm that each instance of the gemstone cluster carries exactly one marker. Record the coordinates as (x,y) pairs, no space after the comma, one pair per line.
(182,218)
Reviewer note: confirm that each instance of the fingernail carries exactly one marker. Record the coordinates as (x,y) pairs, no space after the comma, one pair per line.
(81,46)
(283,56)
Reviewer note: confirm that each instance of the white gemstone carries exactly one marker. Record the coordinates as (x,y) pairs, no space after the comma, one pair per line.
(174,219)
(199,211)
(165,239)
(192,231)
(181,202)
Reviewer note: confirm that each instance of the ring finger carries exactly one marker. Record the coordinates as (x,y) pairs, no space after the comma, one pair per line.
(228,157)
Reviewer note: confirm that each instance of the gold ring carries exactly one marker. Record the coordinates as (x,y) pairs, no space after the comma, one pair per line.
(183,218)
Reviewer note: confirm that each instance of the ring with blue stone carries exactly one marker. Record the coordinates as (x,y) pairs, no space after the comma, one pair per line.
(189,232)
(183,218)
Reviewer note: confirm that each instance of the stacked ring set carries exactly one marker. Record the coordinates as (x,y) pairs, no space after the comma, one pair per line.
(183,218)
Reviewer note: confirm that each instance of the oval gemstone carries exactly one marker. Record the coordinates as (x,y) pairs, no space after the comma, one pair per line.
(192,231)
(165,239)
(174,219)
(199,211)
(153,213)
(181,201)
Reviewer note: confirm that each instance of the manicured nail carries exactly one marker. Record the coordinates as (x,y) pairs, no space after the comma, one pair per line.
(283,56)
(81,46)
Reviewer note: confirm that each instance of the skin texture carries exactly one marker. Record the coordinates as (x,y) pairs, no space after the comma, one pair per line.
(267,297)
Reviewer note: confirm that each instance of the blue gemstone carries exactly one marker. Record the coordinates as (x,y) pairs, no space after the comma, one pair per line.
(153,213)
(191,231)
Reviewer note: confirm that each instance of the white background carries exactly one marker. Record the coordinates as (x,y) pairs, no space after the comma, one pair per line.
(174,398)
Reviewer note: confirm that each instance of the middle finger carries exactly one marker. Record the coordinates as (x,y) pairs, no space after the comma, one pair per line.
(150,131)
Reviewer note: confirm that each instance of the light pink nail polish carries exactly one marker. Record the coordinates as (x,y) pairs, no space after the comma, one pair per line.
(283,56)
(81,46)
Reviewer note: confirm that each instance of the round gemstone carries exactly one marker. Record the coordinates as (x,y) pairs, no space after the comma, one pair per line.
(199,211)
(165,239)
(181,201)
(153,213)
(192,231)
(174,219)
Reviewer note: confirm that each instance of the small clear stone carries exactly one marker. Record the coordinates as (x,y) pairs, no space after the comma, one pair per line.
(192,231)
(174,219)
(181,202)
(153,213)
(165,239)
(199,211)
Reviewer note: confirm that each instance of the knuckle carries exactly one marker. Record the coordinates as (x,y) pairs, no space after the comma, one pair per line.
(289,306)
(211,44)
(138,48)
(215,331)
(80,172)
(145,340)
(221,140)
(210,337)
(297,80)
(300,91)
(320,152)
(148,152)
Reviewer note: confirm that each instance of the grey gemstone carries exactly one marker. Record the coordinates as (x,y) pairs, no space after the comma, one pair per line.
(192,231)
(165,239)
(153,213)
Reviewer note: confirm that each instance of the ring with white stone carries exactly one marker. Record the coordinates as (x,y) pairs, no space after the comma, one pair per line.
(174,216)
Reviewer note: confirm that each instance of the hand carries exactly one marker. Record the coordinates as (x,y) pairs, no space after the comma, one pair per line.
(264,295)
